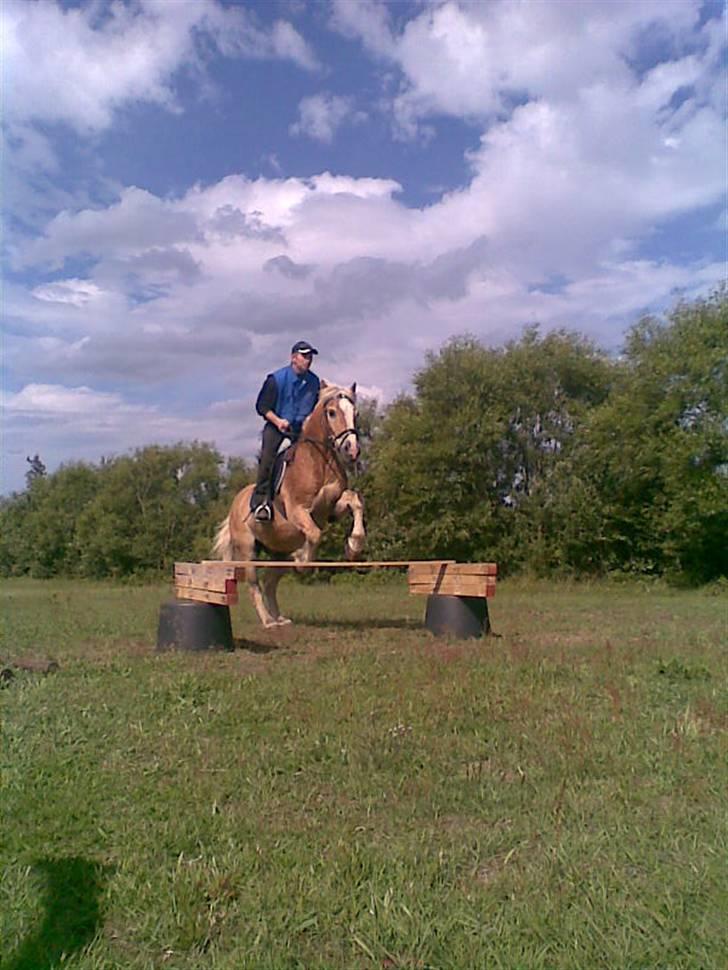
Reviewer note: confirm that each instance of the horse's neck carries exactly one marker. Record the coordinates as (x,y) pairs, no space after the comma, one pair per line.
(316,429)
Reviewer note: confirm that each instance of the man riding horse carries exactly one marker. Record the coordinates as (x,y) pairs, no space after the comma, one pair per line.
(286,399)
(314,488)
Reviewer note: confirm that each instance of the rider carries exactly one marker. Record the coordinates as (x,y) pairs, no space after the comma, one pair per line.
(286,399)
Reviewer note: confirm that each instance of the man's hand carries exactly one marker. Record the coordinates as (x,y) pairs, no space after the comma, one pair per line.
(282,424)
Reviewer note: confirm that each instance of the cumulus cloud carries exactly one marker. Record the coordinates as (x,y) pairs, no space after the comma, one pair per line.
(54,421)
(599,124)
(226,272)
(320,115)
(477,60)
(51,400)
(74,291)
(96,59)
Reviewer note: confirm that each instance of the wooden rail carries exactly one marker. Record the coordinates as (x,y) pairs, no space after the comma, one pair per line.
(288,564)
(212,581)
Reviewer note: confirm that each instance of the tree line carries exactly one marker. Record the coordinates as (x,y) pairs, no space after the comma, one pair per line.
(547,455)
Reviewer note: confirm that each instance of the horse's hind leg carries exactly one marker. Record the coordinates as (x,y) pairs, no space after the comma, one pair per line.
(260,604)
(270,595)
(243,547)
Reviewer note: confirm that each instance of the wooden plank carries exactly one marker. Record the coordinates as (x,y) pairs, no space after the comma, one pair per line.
(425,570)
(454,586)
(216,584)
(487,593)
(206,596)
(204,570)
(288,563)
(456,579)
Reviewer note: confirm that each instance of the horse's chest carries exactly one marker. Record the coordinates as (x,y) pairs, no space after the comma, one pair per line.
(327,498)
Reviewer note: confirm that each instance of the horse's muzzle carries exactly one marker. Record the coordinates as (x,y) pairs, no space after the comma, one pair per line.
(347,445)
(351,449)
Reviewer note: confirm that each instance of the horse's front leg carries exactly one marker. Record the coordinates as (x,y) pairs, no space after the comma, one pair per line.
(352,501)
(303,521)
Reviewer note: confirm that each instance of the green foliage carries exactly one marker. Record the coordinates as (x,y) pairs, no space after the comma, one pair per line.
(127,516)
(38,528)
(457,467)
(653,458)
(546,455)
(36,470)
(549,456)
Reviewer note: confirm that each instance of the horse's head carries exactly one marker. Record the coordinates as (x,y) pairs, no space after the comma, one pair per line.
(339,415)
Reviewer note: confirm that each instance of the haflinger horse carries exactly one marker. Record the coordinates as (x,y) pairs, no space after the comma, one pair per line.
(314,488)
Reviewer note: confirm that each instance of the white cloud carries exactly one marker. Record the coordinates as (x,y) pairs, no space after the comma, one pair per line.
(207,289)
(368,21)
(212,285)
(53,400)
(471,60)
(320,115)
(74,291)
(80,65)
(56,421)
(287,44)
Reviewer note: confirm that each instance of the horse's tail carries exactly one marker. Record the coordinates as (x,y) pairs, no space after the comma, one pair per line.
(222,547)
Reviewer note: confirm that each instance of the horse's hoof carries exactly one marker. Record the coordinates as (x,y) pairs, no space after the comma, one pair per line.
(351,554)
(283,621)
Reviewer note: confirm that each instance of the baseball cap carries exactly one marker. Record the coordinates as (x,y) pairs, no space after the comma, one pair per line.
(303,347)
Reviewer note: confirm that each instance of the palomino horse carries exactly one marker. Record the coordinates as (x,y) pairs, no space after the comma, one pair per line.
(314,487)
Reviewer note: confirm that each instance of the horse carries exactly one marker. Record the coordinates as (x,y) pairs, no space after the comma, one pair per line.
(313,490)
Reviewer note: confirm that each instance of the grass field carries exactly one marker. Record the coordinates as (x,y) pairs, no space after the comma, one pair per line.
(354,793)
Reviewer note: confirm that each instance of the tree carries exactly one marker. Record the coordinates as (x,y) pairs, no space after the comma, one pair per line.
(37,469)
(654,457)
(150,509)
(460,465)
(38,526)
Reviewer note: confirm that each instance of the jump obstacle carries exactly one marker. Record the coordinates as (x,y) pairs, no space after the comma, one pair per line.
(199,618)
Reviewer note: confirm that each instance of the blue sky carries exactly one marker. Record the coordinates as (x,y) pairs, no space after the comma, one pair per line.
(189,186)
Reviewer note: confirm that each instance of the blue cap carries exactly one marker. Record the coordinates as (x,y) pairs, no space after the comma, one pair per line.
(303,347)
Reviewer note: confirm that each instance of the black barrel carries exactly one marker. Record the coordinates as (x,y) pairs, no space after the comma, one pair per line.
(457,616)
(187,625)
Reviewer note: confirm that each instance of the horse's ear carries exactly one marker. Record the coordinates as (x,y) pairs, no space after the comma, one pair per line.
(353,389)
(323,384)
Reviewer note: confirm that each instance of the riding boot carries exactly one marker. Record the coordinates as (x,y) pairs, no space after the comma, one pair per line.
(272,438)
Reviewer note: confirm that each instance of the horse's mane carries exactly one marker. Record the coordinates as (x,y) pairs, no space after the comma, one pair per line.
(334,390)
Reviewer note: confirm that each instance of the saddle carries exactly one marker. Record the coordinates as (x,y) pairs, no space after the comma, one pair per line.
(285,457)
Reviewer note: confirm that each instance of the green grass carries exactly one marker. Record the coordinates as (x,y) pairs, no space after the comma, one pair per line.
(354,793)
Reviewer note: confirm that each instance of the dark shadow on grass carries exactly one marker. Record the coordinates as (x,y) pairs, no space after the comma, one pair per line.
(71,918)
(371,624)
(254,646)
(310,623)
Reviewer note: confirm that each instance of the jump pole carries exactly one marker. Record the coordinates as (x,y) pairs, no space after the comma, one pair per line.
(199,618)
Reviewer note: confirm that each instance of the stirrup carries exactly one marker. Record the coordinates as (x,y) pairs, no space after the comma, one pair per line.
(263,513)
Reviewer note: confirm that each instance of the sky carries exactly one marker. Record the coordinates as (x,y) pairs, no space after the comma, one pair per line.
(190,186)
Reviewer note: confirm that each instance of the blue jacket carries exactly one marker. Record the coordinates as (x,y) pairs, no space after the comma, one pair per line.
(295,395)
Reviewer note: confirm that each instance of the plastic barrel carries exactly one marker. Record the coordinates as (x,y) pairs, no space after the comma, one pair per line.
(187,625)
(457,616)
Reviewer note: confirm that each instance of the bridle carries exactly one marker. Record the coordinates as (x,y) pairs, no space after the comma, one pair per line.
(335,442)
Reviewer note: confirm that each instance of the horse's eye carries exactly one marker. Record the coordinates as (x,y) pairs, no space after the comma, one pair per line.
(331,413)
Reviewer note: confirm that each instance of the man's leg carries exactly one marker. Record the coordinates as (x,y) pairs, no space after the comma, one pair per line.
(272,438)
